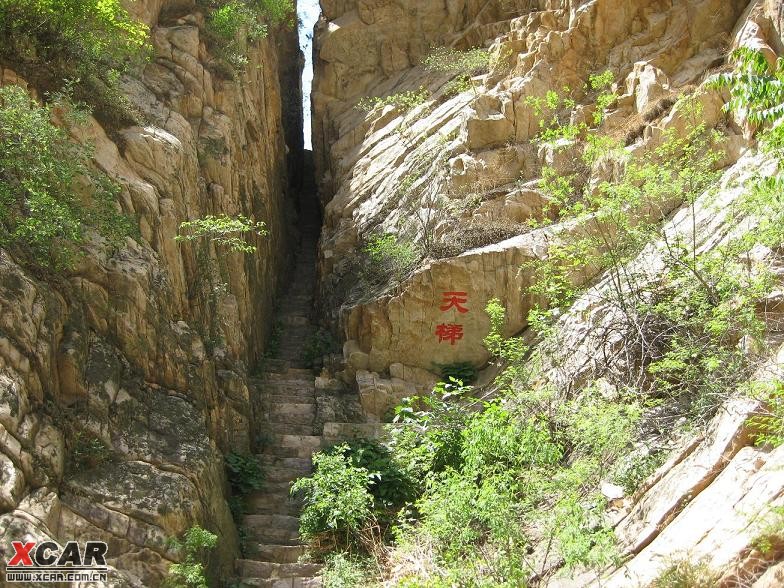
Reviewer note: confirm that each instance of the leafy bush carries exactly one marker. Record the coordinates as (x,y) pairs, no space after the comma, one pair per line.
(461,64)
(319,344)
(194,545)
(86,451)
(471,62)
(428,432)
(474,235)
(756,87)
(390,485)
(460,371)
(337,501)
(344,570)
(44,213)
(388,260)
(685,573)
(681,330)
(223,230)
(235,24)
(90,41)
(769,426)
(404,101)
(245,473)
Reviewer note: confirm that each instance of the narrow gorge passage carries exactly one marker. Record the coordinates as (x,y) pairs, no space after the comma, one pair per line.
(286,403)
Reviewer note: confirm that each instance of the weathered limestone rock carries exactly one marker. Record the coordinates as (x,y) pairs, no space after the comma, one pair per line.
(368,163)
(122,382)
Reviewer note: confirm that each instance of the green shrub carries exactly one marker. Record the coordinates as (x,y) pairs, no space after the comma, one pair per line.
(471,62)
(756,87)
(769,426)
(236,24)
(390,485)
(388,260)
(685,573)
(230,20)
(461,371)
(461,64)
(769,530)
(223,230)
(244,472)
(45,215)
(428,432)
(194,545)
(344,570)
(477,233)
(404,101)
(90,41)
(337,501)
(86,451)
(319,344)
(631,471)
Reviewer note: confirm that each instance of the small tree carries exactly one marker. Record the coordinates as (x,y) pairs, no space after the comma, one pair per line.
(223,230)
(193,546)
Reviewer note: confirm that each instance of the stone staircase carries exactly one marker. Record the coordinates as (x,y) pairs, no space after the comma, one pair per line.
(285,397)
(294,419)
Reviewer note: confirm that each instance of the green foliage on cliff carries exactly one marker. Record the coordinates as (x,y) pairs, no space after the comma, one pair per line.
(475,482)
(226,231)
(404,101)
(388,259)
(50,195)
(338,502)
(504,489)
(462,65)
(91,42)
(237,24)
(193,547)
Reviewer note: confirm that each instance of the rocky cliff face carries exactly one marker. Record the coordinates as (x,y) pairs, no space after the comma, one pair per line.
(413,171)
(381,171)
(122,382)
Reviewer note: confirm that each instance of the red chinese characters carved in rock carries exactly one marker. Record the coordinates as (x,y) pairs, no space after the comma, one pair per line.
(451,333)
(455,300)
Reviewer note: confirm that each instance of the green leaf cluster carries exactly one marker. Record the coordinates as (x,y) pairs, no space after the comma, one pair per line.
(223,230)
(388,259)
(194,545)
(337,499)
(236,24)
(404,101)
(50,195)
(91,42)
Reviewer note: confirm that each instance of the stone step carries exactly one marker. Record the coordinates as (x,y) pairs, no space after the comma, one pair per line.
(274,365)
(279,489)
(274,474)
(285,452)
(290,428)
(289,396)
(272,504)
(277,553)
(294,320)
(272,534)
(295,346)
(333,432)
(295,384)
(309,442)
(293,445)
(290,412)
(266,569)
(295,463)
(292,374)
(297,343)
(282,582)
(264,521)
